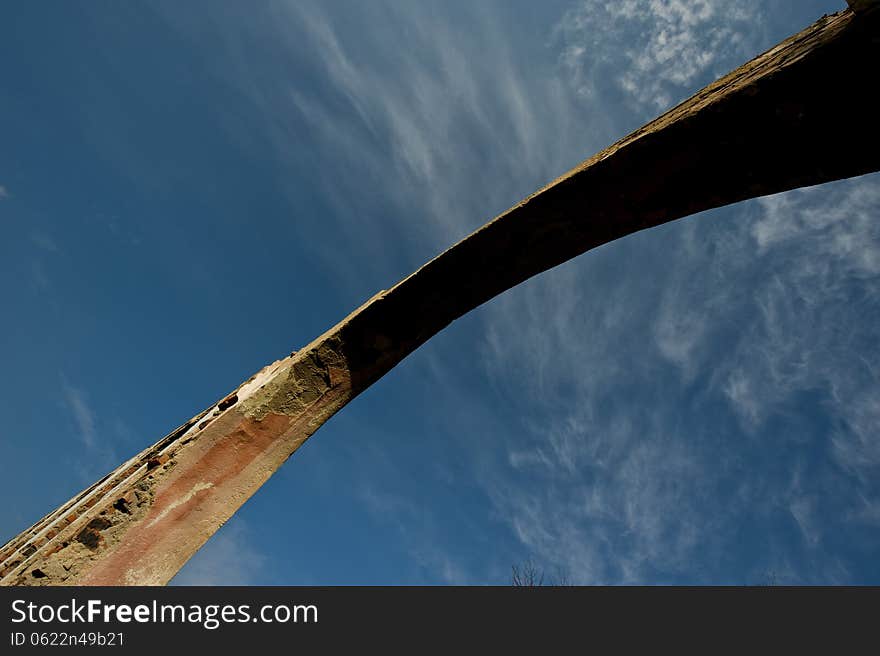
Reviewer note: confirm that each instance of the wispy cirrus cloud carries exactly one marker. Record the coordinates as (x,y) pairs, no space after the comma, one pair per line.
(82,413)
(425,146)
(230,557)
(99,436)
(419,536)
(653,54)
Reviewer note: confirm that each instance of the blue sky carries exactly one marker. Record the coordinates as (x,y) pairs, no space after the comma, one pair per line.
(191,190)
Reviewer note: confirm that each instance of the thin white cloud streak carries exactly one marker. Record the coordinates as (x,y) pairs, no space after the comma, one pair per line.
(97,450)
(82,413)
(228,558)
(419,537)
(4,193)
